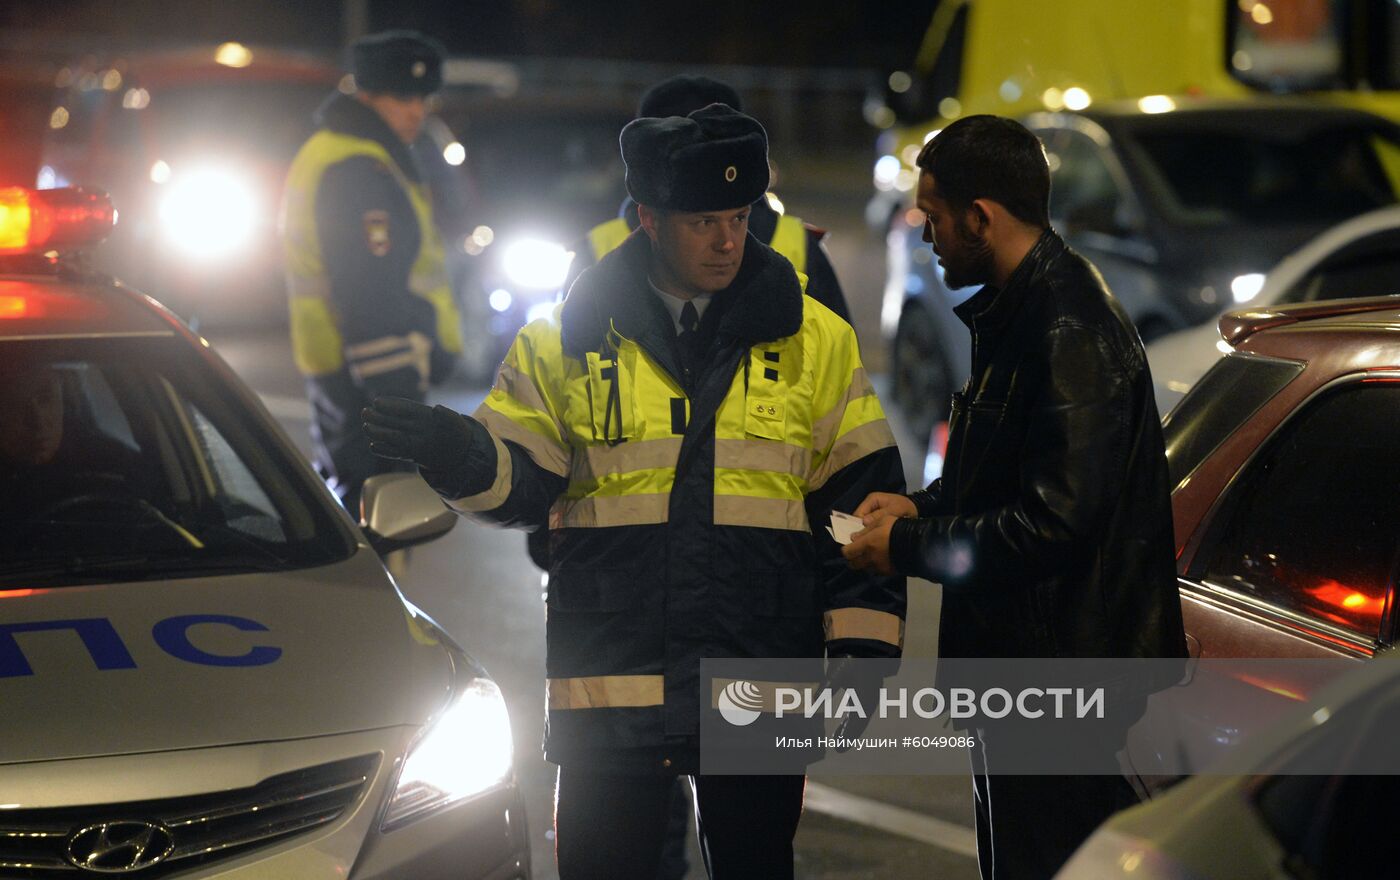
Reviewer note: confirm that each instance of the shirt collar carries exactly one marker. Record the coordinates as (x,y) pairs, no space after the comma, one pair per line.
(675,304)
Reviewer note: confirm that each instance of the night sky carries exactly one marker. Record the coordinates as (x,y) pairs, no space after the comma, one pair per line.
(817,33)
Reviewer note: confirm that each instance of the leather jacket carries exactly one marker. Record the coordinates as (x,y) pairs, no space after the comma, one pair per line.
(1051,528)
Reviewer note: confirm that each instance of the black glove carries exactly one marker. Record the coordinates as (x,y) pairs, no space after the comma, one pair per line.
(456,451)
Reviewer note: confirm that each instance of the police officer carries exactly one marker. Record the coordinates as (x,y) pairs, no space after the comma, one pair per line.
(680,421)
(800,242)
(371,309)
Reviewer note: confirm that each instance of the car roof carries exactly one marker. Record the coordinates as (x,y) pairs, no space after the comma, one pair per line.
(51,307)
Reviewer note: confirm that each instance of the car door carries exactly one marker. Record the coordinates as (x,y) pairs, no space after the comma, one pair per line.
(1299,555)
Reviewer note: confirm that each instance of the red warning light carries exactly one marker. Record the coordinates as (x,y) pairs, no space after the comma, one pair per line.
(33,221)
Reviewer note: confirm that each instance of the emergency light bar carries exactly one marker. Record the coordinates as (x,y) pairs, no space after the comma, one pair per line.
(36,221)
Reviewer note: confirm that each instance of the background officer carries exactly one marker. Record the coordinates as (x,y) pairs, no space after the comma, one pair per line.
(371,309)
(680,421)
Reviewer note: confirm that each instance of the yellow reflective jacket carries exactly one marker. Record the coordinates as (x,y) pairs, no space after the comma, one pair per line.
(682,511)
(321,343)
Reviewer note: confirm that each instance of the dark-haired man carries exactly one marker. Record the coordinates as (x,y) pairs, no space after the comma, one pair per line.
(679,421)
(1051,528)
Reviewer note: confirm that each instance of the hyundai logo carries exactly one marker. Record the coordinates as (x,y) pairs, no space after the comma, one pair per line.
(119,847)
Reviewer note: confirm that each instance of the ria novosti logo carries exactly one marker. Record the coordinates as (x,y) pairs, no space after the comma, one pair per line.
(740,703)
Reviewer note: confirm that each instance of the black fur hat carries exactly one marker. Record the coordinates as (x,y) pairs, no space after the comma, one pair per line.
(714,159)
(397,63)
(683,94)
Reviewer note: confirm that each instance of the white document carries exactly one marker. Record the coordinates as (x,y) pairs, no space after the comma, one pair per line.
(843,526)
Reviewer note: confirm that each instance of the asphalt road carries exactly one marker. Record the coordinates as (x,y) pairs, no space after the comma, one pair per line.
(479,584)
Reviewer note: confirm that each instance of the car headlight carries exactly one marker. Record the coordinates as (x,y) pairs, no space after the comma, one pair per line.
(536,264)
(209,212)
(1246,287)
(466,751)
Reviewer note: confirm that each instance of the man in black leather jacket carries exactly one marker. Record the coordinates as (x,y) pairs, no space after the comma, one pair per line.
(1051,528)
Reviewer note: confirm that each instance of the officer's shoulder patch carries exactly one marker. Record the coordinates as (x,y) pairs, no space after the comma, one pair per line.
(377,232)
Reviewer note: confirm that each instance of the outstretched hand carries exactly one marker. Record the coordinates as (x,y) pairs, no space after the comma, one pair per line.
(398,428)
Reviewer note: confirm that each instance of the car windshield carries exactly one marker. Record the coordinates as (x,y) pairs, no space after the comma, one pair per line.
(130,460)
(1237,176)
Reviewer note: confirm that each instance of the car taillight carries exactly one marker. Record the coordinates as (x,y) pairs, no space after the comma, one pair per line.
(35,221)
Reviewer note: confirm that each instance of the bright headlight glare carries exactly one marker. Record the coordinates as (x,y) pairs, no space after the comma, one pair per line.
(536,264)
(209,212)
(1246,287)
(467,751)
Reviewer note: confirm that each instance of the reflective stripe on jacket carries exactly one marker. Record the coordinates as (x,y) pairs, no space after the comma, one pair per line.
(316,339)
(681,512)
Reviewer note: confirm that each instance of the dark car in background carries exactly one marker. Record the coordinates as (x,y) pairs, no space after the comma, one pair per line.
(1360,257)
(1181,203)
(193,145)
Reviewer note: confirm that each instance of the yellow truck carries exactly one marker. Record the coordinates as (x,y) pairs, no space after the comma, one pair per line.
(1013,57)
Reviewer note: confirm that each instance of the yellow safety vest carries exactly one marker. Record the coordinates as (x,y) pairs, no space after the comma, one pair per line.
(316,340)
(789,239)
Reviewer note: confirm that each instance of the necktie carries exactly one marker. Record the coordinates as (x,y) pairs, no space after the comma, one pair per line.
(690,319)
(690,336)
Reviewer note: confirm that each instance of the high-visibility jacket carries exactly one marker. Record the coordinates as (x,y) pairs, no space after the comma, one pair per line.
(784,233)
(318,340)
(681,504)
(371,310)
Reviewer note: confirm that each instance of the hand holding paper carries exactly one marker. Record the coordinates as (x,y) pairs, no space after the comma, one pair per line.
(843,526)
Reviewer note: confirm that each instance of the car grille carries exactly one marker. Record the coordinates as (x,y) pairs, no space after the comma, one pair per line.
(202,828)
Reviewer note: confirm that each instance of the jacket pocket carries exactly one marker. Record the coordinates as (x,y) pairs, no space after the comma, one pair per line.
(611,394)
(765,417)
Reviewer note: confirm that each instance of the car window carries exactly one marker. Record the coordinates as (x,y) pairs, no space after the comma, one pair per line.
(1315,525)
(126,463)
(1083,192)
(1215,177)
(1368,267)
(1220,402)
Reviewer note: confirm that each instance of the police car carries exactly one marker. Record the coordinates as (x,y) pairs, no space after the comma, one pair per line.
(205,670)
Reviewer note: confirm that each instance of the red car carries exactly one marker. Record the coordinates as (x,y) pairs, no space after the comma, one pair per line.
(1285,460)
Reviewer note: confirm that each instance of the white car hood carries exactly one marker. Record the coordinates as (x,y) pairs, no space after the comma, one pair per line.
(183,664)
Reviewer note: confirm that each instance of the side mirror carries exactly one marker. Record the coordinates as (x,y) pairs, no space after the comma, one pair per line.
(399,510)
